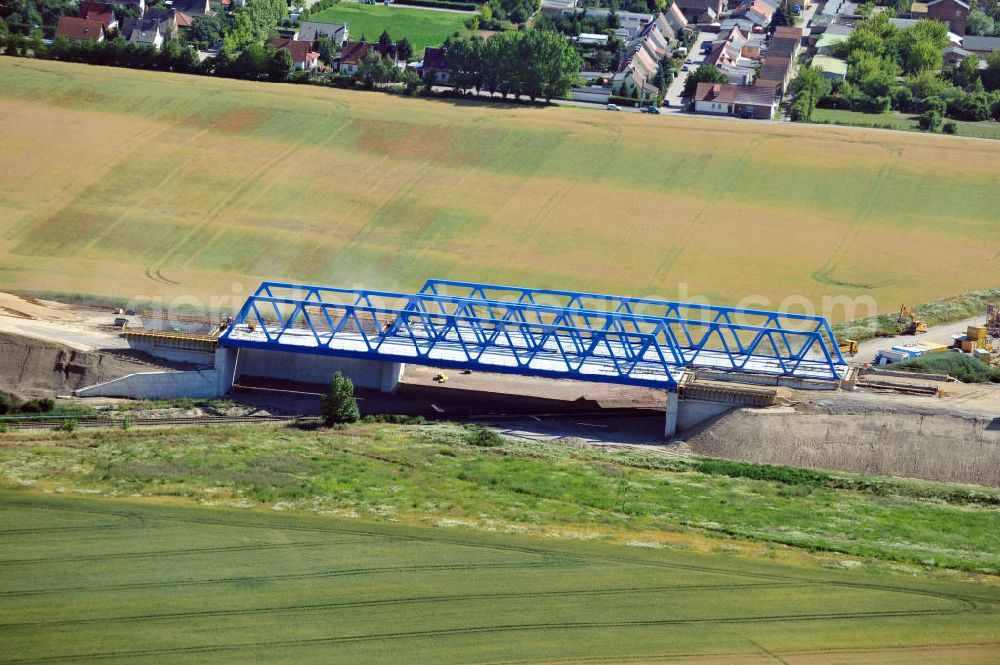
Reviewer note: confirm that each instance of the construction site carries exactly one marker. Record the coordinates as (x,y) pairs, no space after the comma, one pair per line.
(746,385)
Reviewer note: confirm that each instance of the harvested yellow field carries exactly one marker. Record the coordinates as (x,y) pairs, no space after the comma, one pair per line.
(128,183)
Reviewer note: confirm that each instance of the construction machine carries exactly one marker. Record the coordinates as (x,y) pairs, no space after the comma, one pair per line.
(909,324)
(848,346)
(993,320)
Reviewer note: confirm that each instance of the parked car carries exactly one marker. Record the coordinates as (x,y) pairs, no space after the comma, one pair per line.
(614,107)
(796,9)
(685,68)
(651,109)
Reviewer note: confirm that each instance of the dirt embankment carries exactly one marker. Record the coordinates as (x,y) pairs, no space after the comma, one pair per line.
(944,447)
(31,367)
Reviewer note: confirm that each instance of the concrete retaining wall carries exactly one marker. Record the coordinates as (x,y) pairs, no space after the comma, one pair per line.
(192,356)
(310,368)
(158,385)
(695,411)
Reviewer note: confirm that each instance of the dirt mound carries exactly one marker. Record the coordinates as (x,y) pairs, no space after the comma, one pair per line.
(32,367)
(931,446)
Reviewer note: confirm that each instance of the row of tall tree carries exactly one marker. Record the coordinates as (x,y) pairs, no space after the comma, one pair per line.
(534,63)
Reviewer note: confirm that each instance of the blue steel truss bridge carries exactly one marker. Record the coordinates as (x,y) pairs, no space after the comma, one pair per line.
(549,333)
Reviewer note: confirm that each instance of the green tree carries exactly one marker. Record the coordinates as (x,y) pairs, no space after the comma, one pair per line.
(374,69)
(554,64)
(411,82)
(338,405)
(253,23)
(205,30)
(465,61)
(404,49)
(704,74)
(809,87)
(979,22)
(966,73)
(384,42)
(279,64)
(991,75)
(326,49)
(923,56)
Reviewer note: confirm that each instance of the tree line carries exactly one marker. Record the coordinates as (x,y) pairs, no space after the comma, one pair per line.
(533,63)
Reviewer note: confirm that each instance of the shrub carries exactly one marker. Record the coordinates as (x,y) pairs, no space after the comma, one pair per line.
(780,474)
(949,128)
(43,405)
(962,366)
(68,425)
(339,406)
(395,419)
(930,120)
(6,406)
(484,437)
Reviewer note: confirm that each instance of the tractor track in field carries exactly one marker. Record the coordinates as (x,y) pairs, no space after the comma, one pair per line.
(480,630)
(342,572)
(185,552)
(405,601)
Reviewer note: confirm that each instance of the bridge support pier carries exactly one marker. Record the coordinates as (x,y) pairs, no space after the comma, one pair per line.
(673,408)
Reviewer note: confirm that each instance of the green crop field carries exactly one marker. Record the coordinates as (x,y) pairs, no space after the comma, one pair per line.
(126,183)
(383,543)
(423,27)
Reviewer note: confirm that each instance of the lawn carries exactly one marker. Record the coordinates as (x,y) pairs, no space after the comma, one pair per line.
(902,121)
(212,185)
(423,27)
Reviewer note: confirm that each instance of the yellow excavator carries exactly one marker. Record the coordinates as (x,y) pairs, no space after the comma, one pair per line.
(908,322)
(848,346)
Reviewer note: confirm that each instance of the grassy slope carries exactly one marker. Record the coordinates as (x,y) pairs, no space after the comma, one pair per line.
(902,121)
(135,183)
(431,471)
(138,582)
(423,27)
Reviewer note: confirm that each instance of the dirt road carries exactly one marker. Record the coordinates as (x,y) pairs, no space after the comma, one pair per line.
(940,334)
(79,328)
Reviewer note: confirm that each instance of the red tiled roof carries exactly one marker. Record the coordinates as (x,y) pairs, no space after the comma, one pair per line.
(788,31)
(301,51)
(435,58)
(79,28)
(752,52)
(98,11)
(354,52)
(183,20)
(715,92)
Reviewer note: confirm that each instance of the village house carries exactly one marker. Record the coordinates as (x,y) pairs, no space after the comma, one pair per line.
(701,11)
(953,13)
(310,31)
(351,55)
(99,11)
(434,66)
(303,56)
(194,7)
(741,100)
(80,29)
